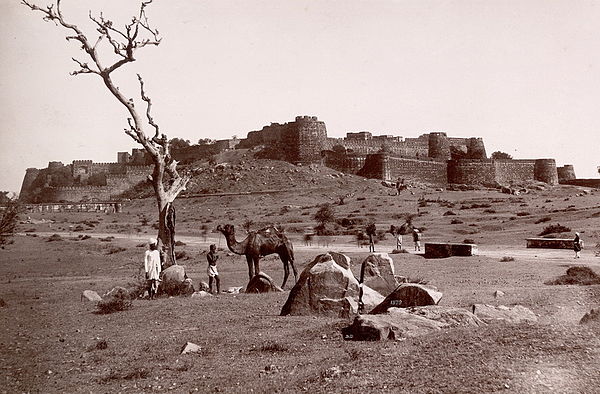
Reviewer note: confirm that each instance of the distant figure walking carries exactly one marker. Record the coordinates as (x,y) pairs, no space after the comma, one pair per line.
(417,239)
(152,267)
(577,245)
(371,231)
(212,272)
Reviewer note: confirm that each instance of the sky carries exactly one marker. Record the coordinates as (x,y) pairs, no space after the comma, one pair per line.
(523,74)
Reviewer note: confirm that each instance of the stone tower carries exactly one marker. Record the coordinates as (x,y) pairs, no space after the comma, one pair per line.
(545,171)
(439,146)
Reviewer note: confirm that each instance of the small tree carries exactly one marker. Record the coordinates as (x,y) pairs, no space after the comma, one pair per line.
(124,43)
(9,219)
(500,156)
(324,216)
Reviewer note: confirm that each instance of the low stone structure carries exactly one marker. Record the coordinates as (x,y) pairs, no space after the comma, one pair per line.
(444,249)
(550,243)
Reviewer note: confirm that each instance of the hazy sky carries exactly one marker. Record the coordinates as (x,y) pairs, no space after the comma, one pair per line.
(524,75)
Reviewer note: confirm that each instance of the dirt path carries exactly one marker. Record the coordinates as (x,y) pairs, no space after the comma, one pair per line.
(494,251)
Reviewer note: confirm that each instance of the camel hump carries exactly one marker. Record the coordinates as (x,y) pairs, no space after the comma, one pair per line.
(270,230)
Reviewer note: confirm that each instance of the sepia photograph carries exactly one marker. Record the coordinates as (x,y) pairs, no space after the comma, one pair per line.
(261,196)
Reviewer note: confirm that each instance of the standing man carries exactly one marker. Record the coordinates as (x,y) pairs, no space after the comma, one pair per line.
(371,231)
(152,267)
(577,245)
(212,269)
(417,239)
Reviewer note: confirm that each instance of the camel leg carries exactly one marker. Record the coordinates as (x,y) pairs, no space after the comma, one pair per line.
(286,270)
(294,269)
(256,265)
(250,267)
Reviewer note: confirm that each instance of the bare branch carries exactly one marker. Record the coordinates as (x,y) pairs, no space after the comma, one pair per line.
(148,108)
(85,69)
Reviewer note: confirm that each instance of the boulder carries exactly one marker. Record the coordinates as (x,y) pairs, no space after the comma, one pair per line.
(377,272)
(262,283)
(514,314)
(203,286)
(190,347)
(201,294)
(341,259)
(396,324)
(370,298)
(409,294)
(173,281)
(233,290)
(451,316)
(591,317)
(90,295)
(323,288)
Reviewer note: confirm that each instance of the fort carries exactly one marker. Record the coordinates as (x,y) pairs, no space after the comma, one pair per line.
(433,158)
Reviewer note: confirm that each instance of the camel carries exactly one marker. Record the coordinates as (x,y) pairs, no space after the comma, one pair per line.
(259,244)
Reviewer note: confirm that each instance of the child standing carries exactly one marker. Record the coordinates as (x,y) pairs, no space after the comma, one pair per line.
(212,269)
(152,267)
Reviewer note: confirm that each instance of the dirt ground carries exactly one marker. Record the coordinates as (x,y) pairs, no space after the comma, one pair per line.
(52,341)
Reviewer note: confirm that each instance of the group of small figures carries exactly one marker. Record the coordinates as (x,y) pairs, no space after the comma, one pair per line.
(153,268)
(371,231)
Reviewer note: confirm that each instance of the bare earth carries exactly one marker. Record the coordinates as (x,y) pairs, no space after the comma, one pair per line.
(49,337)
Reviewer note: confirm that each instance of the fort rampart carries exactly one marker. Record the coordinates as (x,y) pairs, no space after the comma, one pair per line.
(432,158)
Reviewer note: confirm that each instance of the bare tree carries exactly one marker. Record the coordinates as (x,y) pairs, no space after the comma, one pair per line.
(124,42)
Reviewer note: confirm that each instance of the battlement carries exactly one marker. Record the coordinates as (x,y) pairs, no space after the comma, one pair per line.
(306,118)
(82,162)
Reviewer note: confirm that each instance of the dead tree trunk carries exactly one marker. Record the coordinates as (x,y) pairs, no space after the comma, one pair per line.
(166,180)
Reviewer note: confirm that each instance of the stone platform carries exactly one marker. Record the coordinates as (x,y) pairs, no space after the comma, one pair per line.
(550,243)
(443,249)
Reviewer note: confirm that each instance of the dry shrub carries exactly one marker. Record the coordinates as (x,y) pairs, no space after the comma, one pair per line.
(180,243)
(107,239)
(468,241)
(456,221)
(397,251)
(117,302)
(100,345)
(577,276)
(136,373)
(274,347)
(555,228)
(448,213)
(543,220)
(2,303)
(524,213)
(506,259)
(54,237)
(117,249)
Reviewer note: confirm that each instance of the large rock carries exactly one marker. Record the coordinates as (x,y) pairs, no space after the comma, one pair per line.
(514,314)
(203,286)
(370,298)
(173,281)
(407,295)
(90,295)
(396,324)
(377,272)
(451,316)
(324,288)
(262,283)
